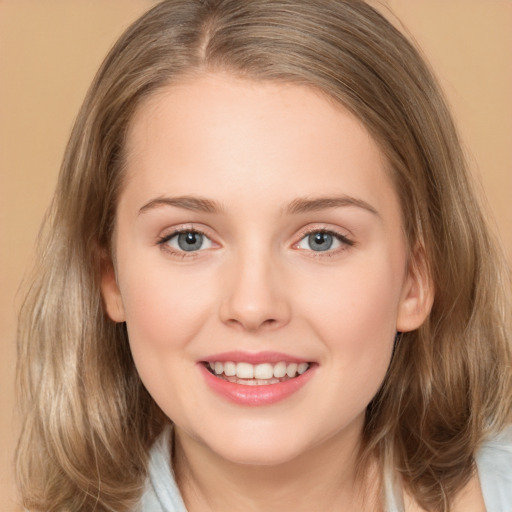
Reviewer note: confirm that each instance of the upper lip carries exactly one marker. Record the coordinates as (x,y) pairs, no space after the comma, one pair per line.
(238,356)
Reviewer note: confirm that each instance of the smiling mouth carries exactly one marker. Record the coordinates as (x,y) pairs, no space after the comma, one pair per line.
(256,374)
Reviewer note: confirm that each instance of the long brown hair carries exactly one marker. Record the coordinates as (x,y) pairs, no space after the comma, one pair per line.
(88,422)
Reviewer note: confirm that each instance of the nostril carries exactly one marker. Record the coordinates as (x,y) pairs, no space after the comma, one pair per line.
(269,323)
(252,325)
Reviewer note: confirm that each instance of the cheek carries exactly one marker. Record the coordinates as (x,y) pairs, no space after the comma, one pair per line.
(355,319)
(354,310)
(164,309)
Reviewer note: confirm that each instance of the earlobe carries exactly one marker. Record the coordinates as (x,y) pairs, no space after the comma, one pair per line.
(417,294)
(110,292)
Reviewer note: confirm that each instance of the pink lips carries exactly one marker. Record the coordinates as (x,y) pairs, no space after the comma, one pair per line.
(255,395)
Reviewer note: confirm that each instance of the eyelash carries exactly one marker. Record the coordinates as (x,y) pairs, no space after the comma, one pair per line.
(344,240)
(162,241)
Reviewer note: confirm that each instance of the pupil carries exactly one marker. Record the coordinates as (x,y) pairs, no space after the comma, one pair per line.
(320,241)
(190,241)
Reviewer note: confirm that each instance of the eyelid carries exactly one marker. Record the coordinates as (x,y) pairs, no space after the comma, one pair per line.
(341,237)
(177,230)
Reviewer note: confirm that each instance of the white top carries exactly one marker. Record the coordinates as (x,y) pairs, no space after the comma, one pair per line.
(493,460)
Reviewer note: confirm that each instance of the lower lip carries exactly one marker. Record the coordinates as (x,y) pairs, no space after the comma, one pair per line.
(256,395)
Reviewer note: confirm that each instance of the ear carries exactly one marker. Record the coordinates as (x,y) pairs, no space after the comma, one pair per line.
(417,293)
(110,291)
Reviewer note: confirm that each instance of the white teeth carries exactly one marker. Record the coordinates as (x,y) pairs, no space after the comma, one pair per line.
(244,370)
(229,369)
(261,372)
(291,370)
(280,370)
(302,368)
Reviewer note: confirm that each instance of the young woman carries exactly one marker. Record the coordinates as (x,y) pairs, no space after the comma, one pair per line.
(265,281)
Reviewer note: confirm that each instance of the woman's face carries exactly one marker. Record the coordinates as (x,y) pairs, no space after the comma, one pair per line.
(258,230)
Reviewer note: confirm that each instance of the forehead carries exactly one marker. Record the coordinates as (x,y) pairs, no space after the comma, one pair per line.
(217,134)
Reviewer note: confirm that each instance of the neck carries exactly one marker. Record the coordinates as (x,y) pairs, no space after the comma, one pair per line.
(314,480)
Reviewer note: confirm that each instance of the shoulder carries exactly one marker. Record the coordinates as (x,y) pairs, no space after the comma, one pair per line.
(494,463)
(490,489)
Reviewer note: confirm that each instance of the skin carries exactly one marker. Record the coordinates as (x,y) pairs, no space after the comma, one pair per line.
(254,149)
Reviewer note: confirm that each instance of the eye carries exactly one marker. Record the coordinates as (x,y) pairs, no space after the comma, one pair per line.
(187,241)
(321,241)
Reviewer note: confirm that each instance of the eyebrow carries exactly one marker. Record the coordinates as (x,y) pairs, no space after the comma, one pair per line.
(197,204)
(306,205)
(297,206)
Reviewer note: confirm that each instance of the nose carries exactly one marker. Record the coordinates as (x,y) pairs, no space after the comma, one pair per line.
(255,297)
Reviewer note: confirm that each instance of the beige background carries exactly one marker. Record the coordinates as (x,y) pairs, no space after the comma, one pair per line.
(50,49)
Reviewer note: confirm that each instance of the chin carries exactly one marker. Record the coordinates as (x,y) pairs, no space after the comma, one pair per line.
(270,450)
